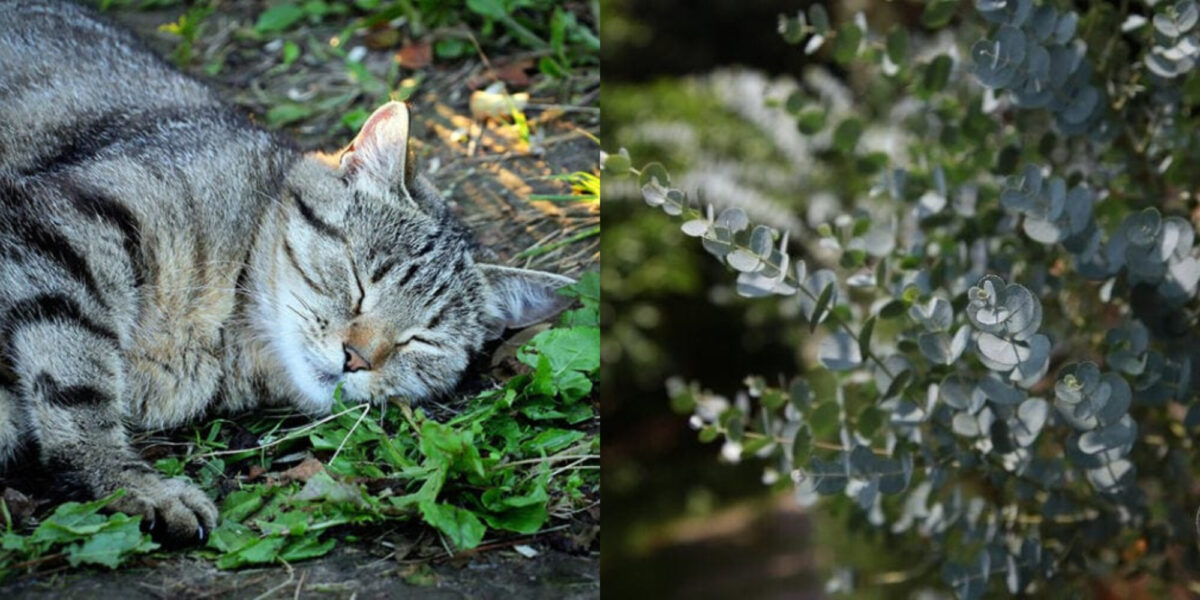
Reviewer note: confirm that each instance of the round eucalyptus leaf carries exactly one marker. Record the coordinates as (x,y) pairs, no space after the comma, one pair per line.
(718,242)
(999,392)
(896,366)
(1030,418)
(734,219)
(1042,22)
(1064,30)
(654,172)
(1117,435)
(958,392)
(839,352)
(996,62)
(654,194)
(743,260)
(965,424)
(696,227)
(935,315)
(1081,104)
(1112,476)
(940,348)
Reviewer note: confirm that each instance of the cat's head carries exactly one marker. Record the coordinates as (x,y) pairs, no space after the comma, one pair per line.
(374,283)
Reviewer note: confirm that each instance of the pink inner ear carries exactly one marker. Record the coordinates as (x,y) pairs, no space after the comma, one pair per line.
(370,133)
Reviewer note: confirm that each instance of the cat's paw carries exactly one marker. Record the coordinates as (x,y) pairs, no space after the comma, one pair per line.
(174,511)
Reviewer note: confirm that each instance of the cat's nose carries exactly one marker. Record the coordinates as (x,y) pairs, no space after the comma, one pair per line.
(354,360)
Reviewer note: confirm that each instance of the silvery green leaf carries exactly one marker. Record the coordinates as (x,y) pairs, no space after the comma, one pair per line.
(999,392)
(1000,354)
(654,194)
(1178,237)
(743,260)
(1111,476)
(985,309)
(1162,66)
(1064,30)
(956,391)
(829,477)
(1177,19)
(814,286)
(1081,104)
(839,352)
(936,315)
(1142,228)
(1078,209)
(1031,370)
(996,62)
(1031,416)
(1024,312)
(1012,12)
(675,203)
(734,219)
(1182,281)
(756,285)
(965,424)
(1118,435)
(762,241)
(1035,88)
(1077,382)
(1042,22)
(1043,232)
(718,242)
(891,382)
(940,348)
(696,227)
(1132,22)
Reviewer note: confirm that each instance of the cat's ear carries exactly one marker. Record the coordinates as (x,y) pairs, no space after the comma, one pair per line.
(521,297)
(380,160)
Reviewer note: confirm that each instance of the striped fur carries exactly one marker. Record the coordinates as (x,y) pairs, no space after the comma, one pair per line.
(162,258)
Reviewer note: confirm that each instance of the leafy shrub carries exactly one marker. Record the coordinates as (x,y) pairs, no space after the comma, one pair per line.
(1006,312)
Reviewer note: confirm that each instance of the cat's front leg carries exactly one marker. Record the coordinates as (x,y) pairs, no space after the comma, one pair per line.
(71,375)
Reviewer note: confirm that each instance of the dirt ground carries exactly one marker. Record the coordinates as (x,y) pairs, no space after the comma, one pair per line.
(488,173)
(347,572)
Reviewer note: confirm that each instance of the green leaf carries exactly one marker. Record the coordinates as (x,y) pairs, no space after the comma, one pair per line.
(801,446)
(825,419)
(278,18)
(846,136)
(257,551)
(897,45)
(123,536)
(308,547)
(870,419)
(846,44)
(811,120)
(819,308)
(864,334)
(492,9)
(938,13)
(240,504)
(291,52)
(464,529)
(284,114)
(937,74)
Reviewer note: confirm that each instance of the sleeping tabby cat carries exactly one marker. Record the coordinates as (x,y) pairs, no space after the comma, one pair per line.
(161,258)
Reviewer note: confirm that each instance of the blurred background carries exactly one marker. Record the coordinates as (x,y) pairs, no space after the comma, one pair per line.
(702,88)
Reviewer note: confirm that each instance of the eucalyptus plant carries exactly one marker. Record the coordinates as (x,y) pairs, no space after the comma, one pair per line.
(1004,324)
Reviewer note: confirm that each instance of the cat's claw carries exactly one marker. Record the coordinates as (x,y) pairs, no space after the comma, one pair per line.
(175,512)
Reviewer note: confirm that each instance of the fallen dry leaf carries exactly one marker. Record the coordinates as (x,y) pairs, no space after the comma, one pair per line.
(303,471)
(515,73)
(415,55)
